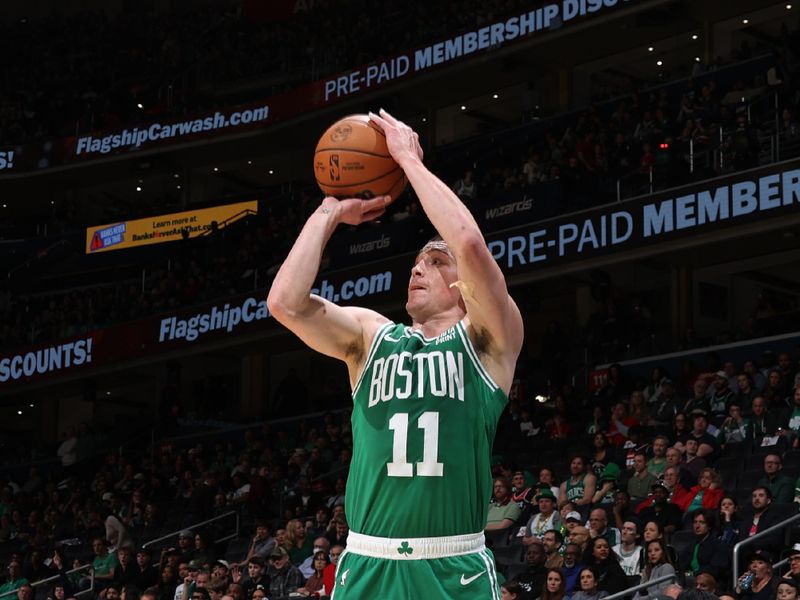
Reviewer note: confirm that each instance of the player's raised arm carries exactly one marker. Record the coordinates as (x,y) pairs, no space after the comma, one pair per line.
(333,330)
(494,317)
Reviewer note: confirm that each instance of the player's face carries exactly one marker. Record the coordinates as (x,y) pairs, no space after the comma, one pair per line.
(429,291)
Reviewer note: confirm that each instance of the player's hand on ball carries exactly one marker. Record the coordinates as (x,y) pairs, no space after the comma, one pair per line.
(354,211)
(401,140)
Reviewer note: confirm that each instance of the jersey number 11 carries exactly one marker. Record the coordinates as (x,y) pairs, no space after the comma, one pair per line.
(430,465)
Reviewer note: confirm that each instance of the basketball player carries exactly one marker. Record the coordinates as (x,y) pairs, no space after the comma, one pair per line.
(426,397)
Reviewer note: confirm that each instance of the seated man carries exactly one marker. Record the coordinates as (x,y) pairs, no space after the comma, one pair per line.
(546,519)
(503,513)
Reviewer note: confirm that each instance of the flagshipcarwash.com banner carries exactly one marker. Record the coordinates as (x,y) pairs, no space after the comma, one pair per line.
(164,228)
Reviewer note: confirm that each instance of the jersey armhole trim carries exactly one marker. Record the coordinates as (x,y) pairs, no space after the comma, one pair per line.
(376,340)
(473,355)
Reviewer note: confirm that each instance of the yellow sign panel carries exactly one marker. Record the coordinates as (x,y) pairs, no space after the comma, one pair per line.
(164,228)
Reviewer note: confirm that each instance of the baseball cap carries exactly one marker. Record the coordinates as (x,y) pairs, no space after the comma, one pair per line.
(107,496)
(224,563)
(762,555)
(721,374)
(279,552)
(573,515)
(546,493)
(194,565)
(185,534)
(795,550)
(610,472)
(659,484)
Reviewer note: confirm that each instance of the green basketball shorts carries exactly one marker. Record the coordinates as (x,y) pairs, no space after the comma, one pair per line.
(441,568)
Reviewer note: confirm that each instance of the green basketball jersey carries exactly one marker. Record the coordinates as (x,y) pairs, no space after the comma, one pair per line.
(575,491)
(424,418)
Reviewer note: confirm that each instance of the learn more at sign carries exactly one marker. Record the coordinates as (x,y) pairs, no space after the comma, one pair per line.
(164,228)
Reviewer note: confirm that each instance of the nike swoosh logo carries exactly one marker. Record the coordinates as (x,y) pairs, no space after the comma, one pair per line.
(468,580)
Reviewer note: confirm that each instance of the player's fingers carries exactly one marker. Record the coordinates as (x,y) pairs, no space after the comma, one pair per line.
(379,203)
(389,117)
(374,214)
(382,123)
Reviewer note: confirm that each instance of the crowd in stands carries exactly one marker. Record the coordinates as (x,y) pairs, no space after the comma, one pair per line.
(90,70)
(673,474)
(637,480)
(584,156)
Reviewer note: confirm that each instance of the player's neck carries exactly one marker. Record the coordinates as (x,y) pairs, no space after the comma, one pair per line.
(434,326)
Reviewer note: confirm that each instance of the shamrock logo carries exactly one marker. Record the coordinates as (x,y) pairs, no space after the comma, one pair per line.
(405,549)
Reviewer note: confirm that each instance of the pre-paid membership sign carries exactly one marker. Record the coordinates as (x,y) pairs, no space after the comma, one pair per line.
(164,228)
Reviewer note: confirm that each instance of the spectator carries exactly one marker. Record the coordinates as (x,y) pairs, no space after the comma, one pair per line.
(705,582)
(780,486)
(598,527)
(15,579)
(104,563)
(572,566)
(629,553)
(552,542)
(719,395)
(533,578)
(621,511)
(707,554)
(763,583)
(503,513)
(580,536)
(555,587)
(338,537)
(762,516)
(607,484)
(300,545)
(657,564)
(521,493)
(284,577)
(745,388)
(786,590)
(707,445)
(256,576)
(664,405)
(660,509)
(620,423)
(642,480)
(546,519)
(729,520)
(763,423)
(588,580)
(603,453)
(465,188)
(511,590)
(699,399)
(321,544)
(790,419)
(315,582)
(329,576)
(579,487)
(263,543)
(694,463)
(706,494)
(735,428)
(610,576)
(658,462)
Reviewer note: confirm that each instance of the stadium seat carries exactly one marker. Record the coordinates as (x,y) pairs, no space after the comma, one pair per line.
(791,461)
(748,479)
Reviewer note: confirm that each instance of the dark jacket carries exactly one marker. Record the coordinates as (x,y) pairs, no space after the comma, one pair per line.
(772,542)
(712,556)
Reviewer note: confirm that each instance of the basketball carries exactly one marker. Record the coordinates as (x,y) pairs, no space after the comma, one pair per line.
(352,161)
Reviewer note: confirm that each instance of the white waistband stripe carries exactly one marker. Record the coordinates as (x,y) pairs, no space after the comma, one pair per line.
(415,548)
